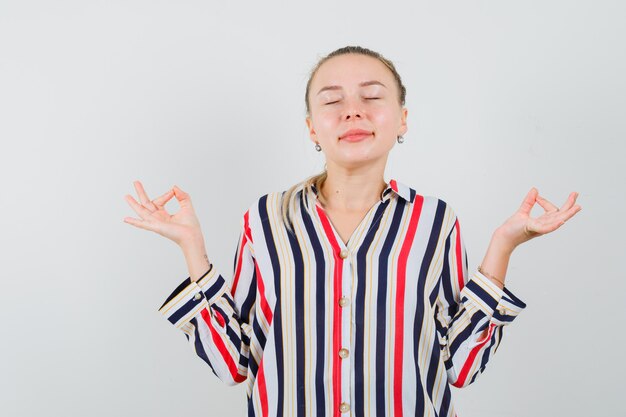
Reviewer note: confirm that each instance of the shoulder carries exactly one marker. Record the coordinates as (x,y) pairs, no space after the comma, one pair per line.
(266,206)
(412,196)
(435,207)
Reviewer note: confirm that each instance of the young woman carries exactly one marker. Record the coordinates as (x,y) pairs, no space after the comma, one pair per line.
(350,295)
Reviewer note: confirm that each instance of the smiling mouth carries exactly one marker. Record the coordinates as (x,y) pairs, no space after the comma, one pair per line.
(356,137)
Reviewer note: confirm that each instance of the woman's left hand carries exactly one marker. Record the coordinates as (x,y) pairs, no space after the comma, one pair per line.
(520,227)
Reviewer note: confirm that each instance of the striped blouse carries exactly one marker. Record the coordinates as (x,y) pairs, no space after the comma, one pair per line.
(379,326)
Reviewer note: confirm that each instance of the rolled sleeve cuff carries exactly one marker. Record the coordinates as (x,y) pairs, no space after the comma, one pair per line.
(191,297)
(498,303)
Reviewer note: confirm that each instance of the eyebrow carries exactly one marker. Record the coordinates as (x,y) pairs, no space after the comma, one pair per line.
(363,84)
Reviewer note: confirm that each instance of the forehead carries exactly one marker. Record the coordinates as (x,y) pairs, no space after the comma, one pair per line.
(351,69)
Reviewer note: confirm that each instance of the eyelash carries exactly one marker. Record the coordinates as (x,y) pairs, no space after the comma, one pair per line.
(366,98)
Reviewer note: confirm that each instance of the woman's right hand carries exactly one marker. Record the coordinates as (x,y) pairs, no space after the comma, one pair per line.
(180,227)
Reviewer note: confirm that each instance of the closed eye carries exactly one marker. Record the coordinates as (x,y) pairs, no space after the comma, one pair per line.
(367,98)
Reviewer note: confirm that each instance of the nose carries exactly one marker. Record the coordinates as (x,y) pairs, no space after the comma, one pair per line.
(352,110)
(352,114)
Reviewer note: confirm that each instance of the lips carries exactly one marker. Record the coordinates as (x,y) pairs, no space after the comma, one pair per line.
(355,135)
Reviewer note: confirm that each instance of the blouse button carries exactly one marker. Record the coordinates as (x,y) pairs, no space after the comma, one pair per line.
(343,253)
(343,301)
(344,407)
(197,296)
(343,353)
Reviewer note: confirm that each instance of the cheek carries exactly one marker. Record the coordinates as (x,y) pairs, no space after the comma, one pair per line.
(325,122)
(384,119)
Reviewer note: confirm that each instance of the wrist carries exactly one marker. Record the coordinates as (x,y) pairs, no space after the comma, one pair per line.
(501,243)
(196,258)
(493,279)
(192,242)
(496,260)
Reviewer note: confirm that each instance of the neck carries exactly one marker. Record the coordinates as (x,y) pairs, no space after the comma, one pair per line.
(352,189)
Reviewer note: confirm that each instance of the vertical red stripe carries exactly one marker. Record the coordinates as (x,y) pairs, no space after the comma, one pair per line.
(246,224)
(470,359)
(262,389)
(219,343)
(238,268)
(220,319)
(459,256)
(399,319)
(394,185)
(265,307)
(247,235)
(336,376)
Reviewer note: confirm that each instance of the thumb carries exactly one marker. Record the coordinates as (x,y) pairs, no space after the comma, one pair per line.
(180,194)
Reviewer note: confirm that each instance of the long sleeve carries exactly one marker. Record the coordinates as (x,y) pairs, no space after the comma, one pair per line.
(216,316)
(464,309)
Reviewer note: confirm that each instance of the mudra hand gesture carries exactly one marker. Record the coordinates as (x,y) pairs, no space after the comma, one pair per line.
(179,227)
(520,227)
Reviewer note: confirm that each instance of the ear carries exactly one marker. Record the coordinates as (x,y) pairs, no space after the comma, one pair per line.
(309,125)
(403,125)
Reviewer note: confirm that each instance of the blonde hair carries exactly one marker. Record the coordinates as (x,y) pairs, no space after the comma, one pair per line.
(317,180)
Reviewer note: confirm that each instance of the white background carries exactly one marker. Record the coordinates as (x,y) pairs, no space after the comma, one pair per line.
(208,95)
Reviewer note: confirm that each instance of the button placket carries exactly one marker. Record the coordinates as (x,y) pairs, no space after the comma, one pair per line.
(346,328)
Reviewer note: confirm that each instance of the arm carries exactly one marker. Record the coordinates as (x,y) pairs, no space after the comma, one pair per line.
(496,261)
(196,258)
(471,312)
(215,320)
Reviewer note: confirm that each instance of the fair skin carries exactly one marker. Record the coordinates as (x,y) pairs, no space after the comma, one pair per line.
(352,92)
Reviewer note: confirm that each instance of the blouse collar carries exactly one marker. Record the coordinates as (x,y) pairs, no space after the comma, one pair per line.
(393,188)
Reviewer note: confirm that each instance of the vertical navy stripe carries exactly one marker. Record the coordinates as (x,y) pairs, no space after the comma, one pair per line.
(320,297)
(381,311)
(247,308)
(198,344)
(277,318)
(431,247)
(359,344)
(300,342)
(445,401)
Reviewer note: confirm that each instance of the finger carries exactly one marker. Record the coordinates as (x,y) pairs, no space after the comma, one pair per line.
(546,225)
(569,213)
(570,201)
(529,201)
(548,206)
(136,222)
(143,197)
(143,212)
(160,201)
(182,197)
